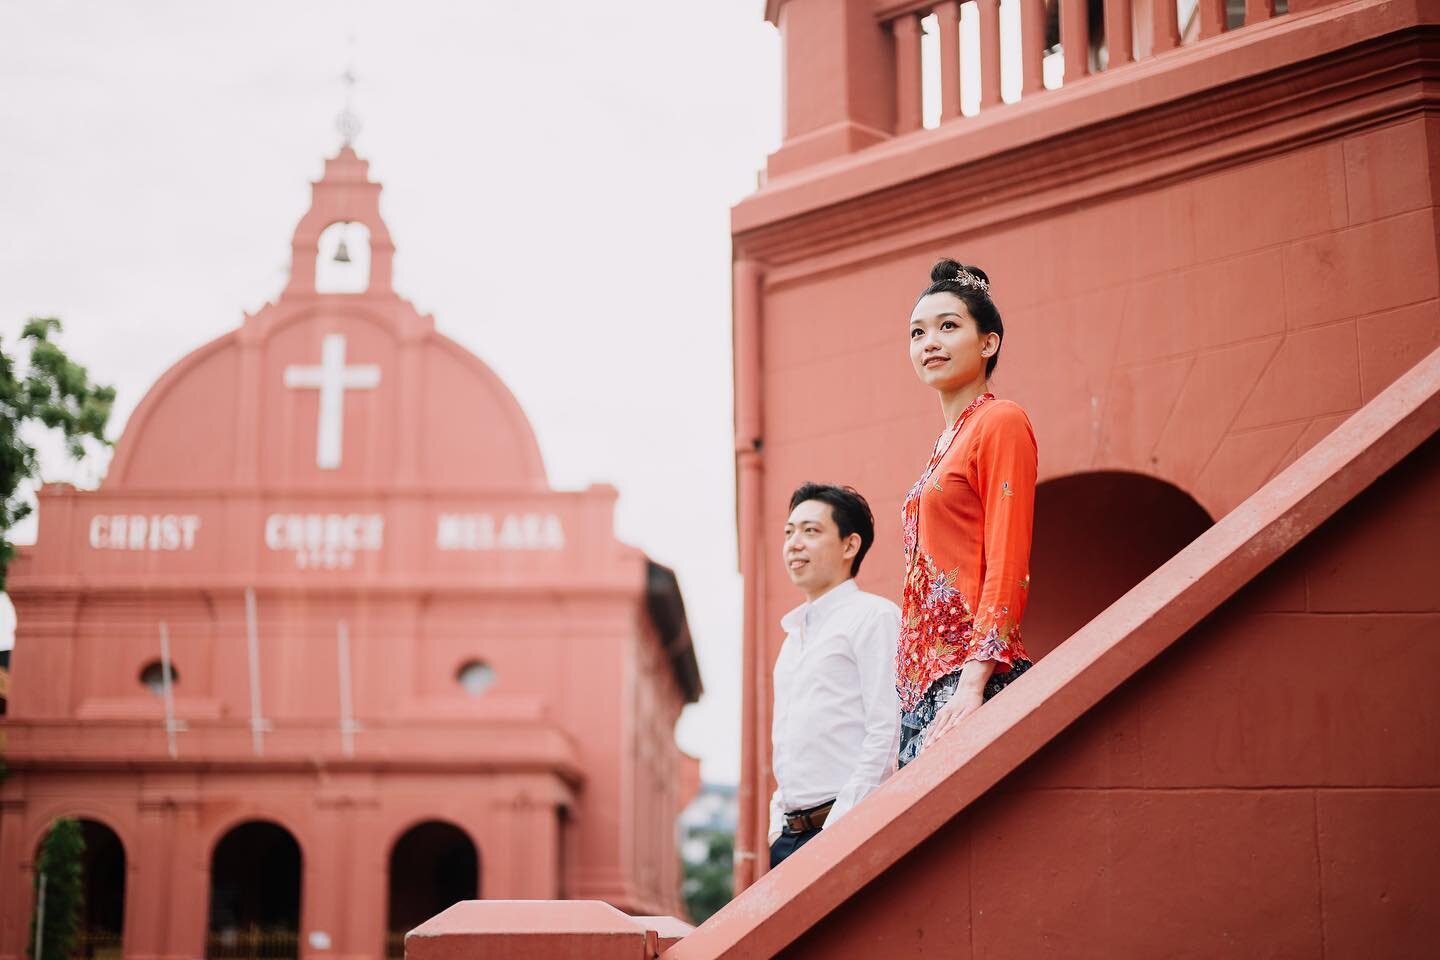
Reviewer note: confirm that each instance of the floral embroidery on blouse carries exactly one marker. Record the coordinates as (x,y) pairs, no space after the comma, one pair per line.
(967,565)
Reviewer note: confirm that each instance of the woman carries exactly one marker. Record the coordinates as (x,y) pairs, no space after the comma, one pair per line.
(967,521)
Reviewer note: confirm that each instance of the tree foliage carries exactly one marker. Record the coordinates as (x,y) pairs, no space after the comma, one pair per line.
(48,388)
(709,884)
(61,862)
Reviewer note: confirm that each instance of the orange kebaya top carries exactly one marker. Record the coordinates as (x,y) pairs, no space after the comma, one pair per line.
(967,549)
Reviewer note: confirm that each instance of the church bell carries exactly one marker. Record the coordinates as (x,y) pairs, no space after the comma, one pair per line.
(342,254)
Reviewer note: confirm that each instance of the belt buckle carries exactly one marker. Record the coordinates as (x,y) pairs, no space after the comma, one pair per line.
(804,820)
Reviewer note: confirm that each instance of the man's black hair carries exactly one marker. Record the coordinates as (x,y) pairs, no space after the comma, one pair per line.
(851,512)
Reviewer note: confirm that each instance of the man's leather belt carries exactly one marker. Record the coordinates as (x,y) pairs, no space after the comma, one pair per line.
(811,818)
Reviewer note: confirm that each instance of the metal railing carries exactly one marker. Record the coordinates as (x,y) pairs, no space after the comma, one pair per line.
(252,943)
(97,945)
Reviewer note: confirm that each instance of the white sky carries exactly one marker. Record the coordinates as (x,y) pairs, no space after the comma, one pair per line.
(557,182)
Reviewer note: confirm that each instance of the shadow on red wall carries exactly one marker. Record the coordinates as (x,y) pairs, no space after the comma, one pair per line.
(1096,536)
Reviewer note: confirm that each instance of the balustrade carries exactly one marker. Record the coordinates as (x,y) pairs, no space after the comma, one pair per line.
(1038,45)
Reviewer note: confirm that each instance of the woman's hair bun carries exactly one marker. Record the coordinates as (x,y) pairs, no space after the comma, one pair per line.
(948,269)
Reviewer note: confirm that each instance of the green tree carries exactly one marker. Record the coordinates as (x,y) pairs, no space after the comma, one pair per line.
(61,863)
(708,884)
(41,386)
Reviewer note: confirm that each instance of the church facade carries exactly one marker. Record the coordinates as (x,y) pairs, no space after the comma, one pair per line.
(325,653)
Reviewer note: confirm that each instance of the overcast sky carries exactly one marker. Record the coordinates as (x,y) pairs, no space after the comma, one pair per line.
(540,162)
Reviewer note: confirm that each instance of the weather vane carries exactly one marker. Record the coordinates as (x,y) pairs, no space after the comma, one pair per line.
(348,122)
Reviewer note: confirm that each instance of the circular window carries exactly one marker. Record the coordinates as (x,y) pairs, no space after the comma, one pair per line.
(152,678)
(475,678)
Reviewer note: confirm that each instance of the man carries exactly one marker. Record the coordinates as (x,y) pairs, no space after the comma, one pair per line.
(836,711)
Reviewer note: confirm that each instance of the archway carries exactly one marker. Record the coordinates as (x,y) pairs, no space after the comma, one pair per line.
(102,913)
(432,866)
(100,916)
(1096,536)
(255,894)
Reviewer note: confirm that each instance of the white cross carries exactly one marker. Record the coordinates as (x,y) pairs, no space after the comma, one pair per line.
(332,378)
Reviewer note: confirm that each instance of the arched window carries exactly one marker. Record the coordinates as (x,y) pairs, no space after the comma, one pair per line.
(100,927)
(432,866)
(342,264)
(255,894)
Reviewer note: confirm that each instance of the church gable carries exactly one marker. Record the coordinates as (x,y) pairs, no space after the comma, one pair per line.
(331,390)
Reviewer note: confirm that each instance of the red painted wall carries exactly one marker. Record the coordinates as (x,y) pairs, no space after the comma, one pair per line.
(1269,786)
(1195,291)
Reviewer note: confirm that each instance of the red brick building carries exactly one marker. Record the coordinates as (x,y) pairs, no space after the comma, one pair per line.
(402,670)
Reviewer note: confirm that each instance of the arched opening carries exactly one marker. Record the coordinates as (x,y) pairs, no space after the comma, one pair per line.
(1096,536)
(342,261)
(432,866)
(255,894)
(102,912)
(97,893)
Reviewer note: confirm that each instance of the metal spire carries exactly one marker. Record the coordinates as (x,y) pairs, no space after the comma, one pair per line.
(348,122)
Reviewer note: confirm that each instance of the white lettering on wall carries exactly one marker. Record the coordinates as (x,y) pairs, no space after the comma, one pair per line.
(327,541)
(142,531)
(515,531)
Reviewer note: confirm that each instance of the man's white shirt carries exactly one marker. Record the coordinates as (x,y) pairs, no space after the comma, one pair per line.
(837,717)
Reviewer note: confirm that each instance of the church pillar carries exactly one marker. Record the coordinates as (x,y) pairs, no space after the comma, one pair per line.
(325,864)
(367,887)
(520,847)
(169,865)
(502,850)
(16,883)
(189,869)
(343,896)
(147,932)
(839,80)
(539,823)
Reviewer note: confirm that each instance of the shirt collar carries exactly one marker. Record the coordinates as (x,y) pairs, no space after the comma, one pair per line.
(810,611)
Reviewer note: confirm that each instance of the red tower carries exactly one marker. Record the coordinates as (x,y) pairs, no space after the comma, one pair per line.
(326,624)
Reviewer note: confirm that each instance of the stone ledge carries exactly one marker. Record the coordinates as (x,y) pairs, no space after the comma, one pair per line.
(541,930)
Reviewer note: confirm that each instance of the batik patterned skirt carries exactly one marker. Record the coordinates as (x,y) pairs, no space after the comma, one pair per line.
(914,724)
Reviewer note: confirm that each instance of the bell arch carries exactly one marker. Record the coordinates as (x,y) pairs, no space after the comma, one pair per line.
(342,262)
